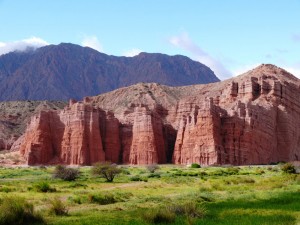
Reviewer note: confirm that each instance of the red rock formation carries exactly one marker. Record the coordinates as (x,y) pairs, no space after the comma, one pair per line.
(147,138)
(199,137)
(71,136)
(250,119)
(112,144)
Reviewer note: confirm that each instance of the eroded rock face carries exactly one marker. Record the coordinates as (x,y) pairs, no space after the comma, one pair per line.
(71,136)
(147,145)
(251,119)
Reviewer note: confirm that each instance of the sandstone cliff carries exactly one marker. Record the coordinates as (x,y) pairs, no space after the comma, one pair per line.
(250,119)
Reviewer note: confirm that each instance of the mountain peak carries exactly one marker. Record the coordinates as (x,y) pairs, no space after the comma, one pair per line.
(67,71)
(271,70)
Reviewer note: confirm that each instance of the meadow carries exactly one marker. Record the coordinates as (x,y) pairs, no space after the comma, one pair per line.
(169,195)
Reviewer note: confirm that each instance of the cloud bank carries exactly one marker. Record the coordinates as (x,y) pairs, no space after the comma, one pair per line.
(22,45)
(132,52)
(92,42)
(294,69)
(184,42)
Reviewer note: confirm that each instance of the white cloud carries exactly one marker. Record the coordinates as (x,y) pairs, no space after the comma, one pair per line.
(295,70)
(183,41)
(22,45)
(244,69)
(132,52)
(92,42)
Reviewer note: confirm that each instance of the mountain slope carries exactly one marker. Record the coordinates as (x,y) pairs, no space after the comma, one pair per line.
(61,72)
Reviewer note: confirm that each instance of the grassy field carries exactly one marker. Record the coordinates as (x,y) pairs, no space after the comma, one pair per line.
(170,195)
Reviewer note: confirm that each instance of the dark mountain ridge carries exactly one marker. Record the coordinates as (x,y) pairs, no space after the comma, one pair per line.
(64,71)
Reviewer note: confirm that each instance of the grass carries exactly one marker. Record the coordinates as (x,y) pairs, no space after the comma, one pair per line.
(172,194)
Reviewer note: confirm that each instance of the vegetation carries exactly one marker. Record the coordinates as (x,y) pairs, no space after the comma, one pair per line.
(152,168)
(288,168)
(15,210)
(106,170)
(43,187)
(195,165)
(58,207)
(172,195)
(64,173)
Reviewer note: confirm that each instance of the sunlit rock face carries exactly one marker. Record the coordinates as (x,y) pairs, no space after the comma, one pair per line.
(250,119)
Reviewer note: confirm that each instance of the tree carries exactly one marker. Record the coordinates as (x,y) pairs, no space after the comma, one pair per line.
(106,170)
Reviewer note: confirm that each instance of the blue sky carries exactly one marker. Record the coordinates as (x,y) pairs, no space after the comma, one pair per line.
(230,36)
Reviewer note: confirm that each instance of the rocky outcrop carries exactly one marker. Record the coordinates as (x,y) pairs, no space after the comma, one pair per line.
(14,117)
(147,145)
(71,136)
(251,119)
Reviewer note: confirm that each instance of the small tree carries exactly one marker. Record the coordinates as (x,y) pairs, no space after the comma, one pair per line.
(106,170)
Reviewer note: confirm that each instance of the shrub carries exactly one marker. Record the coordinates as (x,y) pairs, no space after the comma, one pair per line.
(58,207)
(6,189)
(161,215)
(77,185)
(138,178)
(259,171)
(218,172)
(75,199)
(64,173)
(102,199)
(154,175)
(195,165)
(15,210)
(288,168)
(152,168)
(167,215)
(233,170)
(43,187)
(106,170)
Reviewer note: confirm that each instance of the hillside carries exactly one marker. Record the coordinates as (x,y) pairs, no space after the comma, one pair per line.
(64,71)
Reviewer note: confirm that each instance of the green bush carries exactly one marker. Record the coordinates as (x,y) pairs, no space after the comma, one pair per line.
(168,214)
(156,216)
(102,199)
(154,175)
(15,210)
(189,209)
(288,168)
(64,173)
(58,207)
(232,170)
(106,170)
(259,171)
(218,172)
(6,189)
(138,178)
(195,165)
(75,199)
(43,187)
(77,185)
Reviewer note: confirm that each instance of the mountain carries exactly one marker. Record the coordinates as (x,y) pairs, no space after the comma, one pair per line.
(250,119)
(64,71)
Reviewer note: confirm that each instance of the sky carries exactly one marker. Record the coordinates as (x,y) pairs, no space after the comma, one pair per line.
(230,36)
